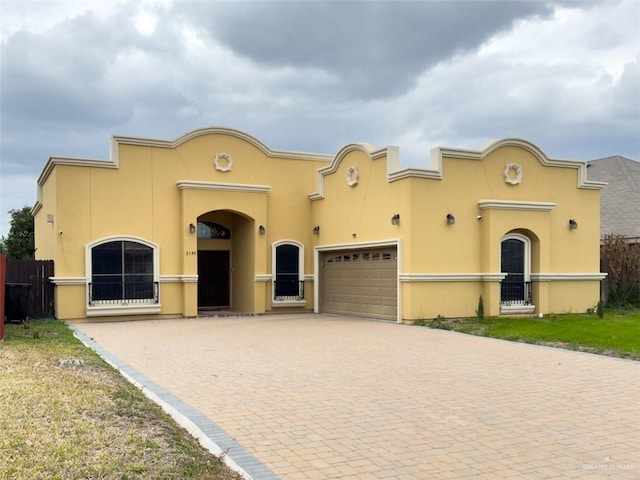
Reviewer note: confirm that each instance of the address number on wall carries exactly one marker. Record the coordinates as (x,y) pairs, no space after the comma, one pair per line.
(191,253)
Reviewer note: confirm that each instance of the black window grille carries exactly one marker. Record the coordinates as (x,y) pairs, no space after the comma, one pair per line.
(287,284)
(122,271)
(514,289)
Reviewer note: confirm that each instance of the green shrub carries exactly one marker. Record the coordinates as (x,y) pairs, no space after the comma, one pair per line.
(440,322)
(480,310)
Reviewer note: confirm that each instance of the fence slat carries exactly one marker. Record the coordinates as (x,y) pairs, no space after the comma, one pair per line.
(36,273)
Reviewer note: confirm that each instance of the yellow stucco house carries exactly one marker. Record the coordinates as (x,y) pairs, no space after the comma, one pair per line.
(216,220)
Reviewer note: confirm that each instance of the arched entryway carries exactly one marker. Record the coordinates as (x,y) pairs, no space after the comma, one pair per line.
(225,261)
(515,263)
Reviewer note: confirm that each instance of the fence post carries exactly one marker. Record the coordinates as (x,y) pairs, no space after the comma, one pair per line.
(3,279)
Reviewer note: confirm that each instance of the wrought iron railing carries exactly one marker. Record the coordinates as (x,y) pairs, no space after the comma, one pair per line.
(515,292)
(288,290)
(118,293)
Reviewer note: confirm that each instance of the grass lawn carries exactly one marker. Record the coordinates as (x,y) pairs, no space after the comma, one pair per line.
(66,414)
(617,334)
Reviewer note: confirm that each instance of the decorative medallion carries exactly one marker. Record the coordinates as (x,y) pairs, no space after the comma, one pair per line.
(353,176)
(223,162)
(512,173)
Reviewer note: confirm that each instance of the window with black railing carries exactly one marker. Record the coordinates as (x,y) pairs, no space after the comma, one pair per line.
(122,272)
(287,285)
(515,291)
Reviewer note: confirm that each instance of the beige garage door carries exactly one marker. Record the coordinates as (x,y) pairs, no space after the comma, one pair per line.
(360,282)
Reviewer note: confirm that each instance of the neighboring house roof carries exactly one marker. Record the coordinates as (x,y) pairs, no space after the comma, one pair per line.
(620,199)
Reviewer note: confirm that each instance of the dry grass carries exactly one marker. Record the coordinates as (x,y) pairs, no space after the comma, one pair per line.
(81,419)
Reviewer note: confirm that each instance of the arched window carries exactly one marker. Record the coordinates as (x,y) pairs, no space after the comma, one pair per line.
(122,272)
(211,230)
(515,261)
(288,268)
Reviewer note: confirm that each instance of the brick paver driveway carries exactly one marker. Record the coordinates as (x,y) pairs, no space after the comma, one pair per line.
(316,397)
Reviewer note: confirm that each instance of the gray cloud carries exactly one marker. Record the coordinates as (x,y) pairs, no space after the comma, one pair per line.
(374,49)
(315,76)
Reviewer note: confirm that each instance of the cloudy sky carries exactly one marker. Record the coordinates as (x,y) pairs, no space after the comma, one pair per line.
(314,76)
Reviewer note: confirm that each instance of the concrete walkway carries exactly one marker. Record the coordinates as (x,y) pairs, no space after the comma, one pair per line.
(319,397)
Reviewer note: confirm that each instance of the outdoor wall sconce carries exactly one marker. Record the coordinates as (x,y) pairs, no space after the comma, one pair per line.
(262,230)
(451,220)
(192,228)
(395,220)
(316,230)
(49,218)
(573,225)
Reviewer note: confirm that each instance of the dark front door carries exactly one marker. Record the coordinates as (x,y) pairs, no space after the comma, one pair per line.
(213,279)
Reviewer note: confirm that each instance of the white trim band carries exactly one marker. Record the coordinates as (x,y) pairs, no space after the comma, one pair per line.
(516,205)
(452,277)
(68,280)
(355,246)
(178,278)
(222,187)
(548,277)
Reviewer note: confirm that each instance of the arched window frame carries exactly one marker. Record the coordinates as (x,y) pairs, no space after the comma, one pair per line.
(125,306)
(288,301)
(526,304)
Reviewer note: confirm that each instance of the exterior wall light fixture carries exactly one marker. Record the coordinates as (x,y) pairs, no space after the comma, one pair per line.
(451,220)
(395,220)
(573,225)
(192,228)
(316,230)
(262,230)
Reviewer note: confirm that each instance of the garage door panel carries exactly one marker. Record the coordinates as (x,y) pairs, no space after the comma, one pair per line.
(360,282)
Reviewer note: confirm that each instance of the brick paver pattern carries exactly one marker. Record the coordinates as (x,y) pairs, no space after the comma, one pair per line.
(319,397)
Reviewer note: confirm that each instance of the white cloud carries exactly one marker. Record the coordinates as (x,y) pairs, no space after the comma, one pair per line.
(38,16)
(543,80)
(603,36)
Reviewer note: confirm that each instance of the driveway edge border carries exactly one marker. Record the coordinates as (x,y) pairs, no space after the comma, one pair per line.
(210,435)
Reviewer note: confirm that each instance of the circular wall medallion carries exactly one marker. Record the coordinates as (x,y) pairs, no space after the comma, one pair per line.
(512,173)
(223,162)
(353,176)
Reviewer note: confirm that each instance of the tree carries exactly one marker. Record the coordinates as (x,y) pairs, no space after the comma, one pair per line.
(621,260)
(19,244)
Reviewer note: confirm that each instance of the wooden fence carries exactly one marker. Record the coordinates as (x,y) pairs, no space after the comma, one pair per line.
(3,269)
(33,275)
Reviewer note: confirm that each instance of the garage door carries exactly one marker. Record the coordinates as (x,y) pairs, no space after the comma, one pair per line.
(360,282)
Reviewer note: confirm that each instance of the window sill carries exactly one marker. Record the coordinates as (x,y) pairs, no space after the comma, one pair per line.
(112,310)
(288,303)
(516,309)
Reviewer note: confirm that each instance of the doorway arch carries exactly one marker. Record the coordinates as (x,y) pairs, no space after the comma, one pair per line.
(226,254)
